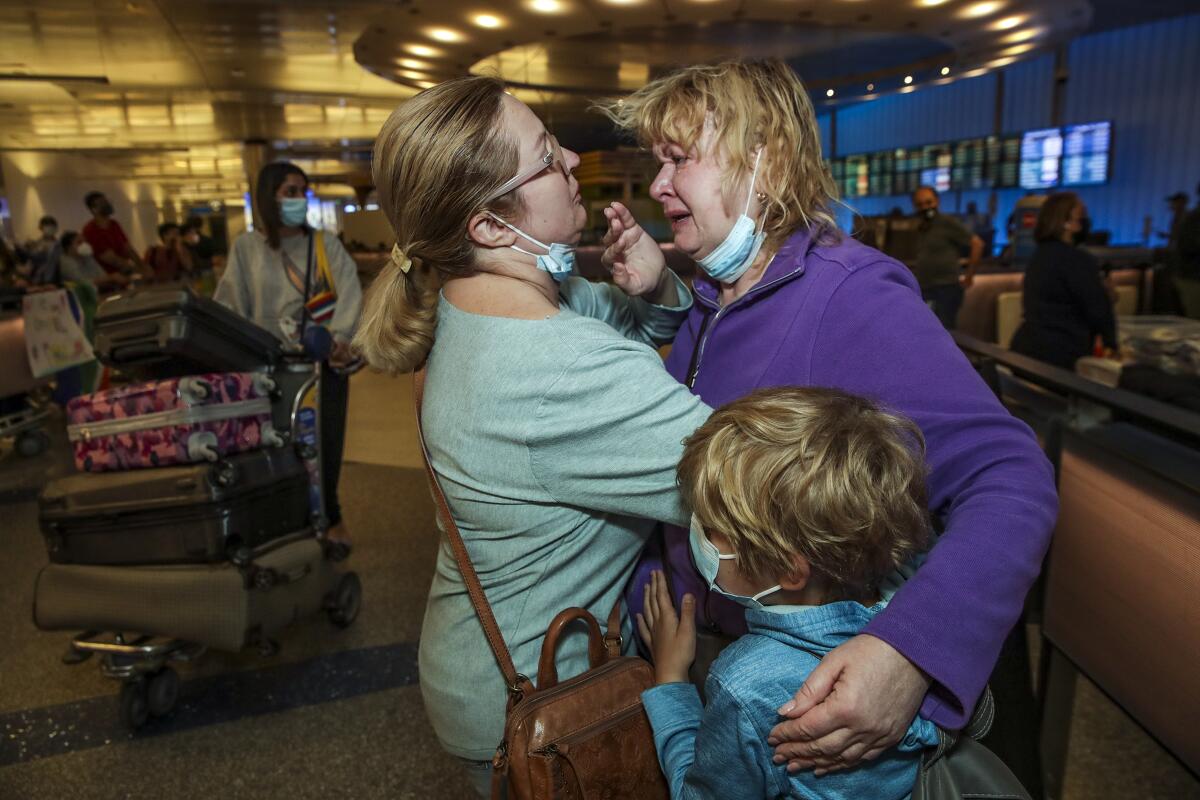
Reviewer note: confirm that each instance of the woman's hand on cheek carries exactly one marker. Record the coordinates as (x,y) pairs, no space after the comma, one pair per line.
(858,702)
(633,257)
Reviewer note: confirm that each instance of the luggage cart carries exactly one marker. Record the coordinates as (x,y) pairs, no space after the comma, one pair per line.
(142,661)
(27,427)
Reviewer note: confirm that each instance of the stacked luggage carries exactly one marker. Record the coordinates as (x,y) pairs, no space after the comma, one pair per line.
(195,518)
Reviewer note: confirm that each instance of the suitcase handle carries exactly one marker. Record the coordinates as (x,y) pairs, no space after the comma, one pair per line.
(134,352)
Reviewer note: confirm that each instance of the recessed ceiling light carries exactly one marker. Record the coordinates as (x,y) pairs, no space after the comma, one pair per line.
(488,21)
(444,34)
(414,76)
(413,63)
(983,9)
(426,84)
(1007,23)
(546,6)
(945,70)
(930,3)
(829,92)
(908,89)
(623,2)
(1022,36)
(975,73)
(1017,50)
(870,87)
(422,50)
(907,79)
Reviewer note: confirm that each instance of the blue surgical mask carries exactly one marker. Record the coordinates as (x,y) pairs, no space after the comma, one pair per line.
(293,211)
(708,561)
(732,257)
(559,261)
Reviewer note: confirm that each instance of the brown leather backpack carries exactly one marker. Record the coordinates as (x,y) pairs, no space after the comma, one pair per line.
(586,737)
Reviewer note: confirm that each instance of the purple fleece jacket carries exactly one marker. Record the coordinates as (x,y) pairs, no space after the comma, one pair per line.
(847,316)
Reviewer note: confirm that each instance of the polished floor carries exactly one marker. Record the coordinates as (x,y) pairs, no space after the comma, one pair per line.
(336,713)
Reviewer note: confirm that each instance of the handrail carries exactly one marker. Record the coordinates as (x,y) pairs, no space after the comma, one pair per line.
(1064,381)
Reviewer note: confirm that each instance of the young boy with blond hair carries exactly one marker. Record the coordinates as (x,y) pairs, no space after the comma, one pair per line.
(805,502)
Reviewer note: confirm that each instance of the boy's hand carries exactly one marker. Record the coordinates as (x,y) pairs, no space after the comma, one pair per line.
(672,640)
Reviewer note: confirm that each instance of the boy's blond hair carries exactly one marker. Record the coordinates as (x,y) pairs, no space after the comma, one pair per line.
(815,472)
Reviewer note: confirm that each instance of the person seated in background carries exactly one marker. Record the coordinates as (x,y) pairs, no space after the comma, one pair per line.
(78,264)
(109,243)
(202,248)
(942,241)
(805,500)
(169,259)
(1066,302)
(43,252)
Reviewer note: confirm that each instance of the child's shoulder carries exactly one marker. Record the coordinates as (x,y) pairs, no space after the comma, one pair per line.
(760,672)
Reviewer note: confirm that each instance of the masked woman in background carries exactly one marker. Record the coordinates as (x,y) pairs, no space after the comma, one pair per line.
(1066,302)
(274,279)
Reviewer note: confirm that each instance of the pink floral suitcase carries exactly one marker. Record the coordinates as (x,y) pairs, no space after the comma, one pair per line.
(172,421)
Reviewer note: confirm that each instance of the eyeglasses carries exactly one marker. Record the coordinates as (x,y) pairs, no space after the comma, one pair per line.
(553,157)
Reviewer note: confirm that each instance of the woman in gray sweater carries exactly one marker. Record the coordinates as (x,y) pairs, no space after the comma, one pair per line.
(271,279)
(551,424)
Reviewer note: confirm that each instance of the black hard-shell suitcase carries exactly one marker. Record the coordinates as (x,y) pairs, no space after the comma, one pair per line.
(217,605)
(179,514)
(167,333)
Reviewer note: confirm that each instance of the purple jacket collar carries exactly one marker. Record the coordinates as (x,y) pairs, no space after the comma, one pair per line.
(787,265)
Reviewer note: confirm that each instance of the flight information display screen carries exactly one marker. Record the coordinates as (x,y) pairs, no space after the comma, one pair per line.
(1041,155)
(1086,151)
(1077,155)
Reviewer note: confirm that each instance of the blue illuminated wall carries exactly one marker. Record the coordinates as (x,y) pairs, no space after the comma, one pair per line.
(1146,79)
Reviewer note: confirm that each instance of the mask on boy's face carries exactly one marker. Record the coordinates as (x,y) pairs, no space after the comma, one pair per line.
(708,561)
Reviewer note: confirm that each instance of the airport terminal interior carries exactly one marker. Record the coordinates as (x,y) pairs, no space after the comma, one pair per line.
(219,535)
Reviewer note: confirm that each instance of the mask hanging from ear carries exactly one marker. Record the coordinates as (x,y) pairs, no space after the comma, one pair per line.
(559,259)
(733,256)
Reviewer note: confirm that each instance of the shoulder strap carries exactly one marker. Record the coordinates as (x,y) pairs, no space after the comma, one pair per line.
(517,683)
(323,270)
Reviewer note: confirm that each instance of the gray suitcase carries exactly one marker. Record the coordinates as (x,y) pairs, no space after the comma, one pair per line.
(220,606)
(180,514)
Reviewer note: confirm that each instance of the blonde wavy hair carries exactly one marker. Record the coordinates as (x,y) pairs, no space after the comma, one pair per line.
(815,472)
(748,104)
(437,159)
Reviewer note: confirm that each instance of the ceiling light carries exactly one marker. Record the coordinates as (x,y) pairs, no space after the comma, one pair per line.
(1022,36)
(1017,50)
(908,89)
(488,21)
(945,70)
(983,9)
(870,87)
(975,73)
(412,63)
(546,6)
(415,76)
(931,3)
(422,50)
(622,2)
(1000,62)
(829,92)
(1007,22)
(907,79)
(426,84)
(444,34)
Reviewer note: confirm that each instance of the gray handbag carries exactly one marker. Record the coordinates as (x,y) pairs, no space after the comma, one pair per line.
(960,768)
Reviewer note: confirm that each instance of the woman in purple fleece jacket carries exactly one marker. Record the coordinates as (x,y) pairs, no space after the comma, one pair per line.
(787,300)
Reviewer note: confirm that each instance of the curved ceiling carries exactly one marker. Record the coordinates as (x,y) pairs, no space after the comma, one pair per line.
(845,50)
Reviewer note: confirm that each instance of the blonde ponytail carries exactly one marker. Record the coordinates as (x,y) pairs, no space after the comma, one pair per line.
(438,159)
(399,317)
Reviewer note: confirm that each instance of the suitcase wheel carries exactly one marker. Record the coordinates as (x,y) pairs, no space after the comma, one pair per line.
(33,443)
(134,705)
(345,601)
(162,692)
(223,474)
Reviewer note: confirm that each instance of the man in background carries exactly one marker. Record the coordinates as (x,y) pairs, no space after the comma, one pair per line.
(43,253)
(942,242)
(169,259)
(107,238)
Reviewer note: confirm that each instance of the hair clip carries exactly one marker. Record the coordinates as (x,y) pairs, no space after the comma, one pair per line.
(402,261)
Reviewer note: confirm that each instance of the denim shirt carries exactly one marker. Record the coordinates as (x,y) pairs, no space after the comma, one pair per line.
(721,751)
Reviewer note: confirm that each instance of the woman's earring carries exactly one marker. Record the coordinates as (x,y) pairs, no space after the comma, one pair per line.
(762,196)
